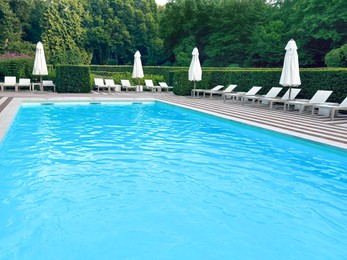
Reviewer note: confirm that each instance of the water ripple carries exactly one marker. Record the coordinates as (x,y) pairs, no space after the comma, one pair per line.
(167,181)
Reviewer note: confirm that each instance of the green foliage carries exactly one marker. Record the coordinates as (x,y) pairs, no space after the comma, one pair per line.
(231,31)
(156,79)
(311,81)
(10,26)
(228,33)
(183,52)
(107,70)
(337,57)
(268,45)
(73,79)
(23,47)
(119,28)
(118,76)
(317,26)
(250,33)
(64,35)
(21,68)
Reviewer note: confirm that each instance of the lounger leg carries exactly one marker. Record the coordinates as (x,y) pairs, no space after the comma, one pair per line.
(313,110)
(333,112)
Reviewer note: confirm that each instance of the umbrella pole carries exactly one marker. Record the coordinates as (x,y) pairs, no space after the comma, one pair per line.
(290,93)
(41,85)
(138,89)
(194,83)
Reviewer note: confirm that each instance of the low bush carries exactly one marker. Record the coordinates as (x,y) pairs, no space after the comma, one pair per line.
(73,79)
(337,57)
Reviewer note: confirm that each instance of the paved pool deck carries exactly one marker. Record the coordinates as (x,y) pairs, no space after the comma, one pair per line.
(318,129)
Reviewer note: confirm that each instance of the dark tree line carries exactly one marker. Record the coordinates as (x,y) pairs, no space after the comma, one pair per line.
(244,33)
(253,32)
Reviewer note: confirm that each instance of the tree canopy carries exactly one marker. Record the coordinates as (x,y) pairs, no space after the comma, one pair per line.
(244,33)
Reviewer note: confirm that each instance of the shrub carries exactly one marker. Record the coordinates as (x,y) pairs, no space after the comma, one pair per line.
(163,71)
(337,58)
(19,67)
(117,77)
(333,58)
(73,79)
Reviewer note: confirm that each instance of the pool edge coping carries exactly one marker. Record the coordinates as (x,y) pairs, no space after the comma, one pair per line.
(8,114)
(264,126)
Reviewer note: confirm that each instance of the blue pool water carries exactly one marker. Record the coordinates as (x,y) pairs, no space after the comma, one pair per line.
(152,181)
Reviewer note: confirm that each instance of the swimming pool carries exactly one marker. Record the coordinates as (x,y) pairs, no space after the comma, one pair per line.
(152,181)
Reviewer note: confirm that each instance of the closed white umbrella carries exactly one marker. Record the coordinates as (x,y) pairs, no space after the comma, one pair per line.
(137,70)
(195,72)
(290,76)
(40,66)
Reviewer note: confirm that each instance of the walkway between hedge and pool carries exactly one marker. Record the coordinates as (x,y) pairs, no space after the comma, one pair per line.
(319,129)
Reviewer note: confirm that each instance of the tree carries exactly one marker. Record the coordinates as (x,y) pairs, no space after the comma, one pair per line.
(120,27)
(232,28)
(10,27)
(318,26)
(64,33)
(268,45)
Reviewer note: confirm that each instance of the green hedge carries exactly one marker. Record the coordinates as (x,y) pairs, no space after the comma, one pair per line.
(162,71)
(311,81)
(73,79)
(20,67)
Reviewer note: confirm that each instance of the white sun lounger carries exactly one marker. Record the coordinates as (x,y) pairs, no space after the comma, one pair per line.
(331,108)
(110,84)
(229,89)
(164,86)
(99,84)
(233,96)
(9,82)
(196,91)
(293,93)
(48,83)
(24,83)
(272,93)
(150,85)
(126,84)
(318,98)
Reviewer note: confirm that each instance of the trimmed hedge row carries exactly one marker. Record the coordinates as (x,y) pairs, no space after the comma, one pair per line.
(148,70)
(73,79)
(21,68)
(311,81)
